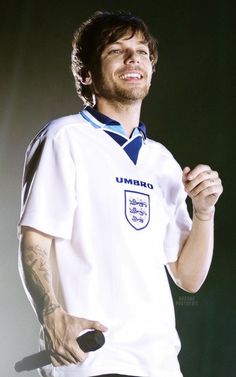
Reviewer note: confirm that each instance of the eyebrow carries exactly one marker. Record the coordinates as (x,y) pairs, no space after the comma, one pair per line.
(126,39)
(141,42)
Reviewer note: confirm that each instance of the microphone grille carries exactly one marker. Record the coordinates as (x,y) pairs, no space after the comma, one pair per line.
(91,340)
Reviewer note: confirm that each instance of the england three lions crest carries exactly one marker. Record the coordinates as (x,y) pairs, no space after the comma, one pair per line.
(137,209)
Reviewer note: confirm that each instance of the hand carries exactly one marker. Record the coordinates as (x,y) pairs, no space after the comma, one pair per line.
(61,331)
(204,187)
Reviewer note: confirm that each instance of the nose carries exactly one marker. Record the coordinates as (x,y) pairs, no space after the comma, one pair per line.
(131,57)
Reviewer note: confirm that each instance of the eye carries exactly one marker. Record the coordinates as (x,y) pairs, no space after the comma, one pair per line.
(115,51)
(143,52)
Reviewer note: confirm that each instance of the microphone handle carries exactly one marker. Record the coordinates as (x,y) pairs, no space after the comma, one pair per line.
(89,341)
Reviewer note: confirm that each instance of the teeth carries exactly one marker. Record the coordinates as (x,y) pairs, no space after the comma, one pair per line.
(131,75)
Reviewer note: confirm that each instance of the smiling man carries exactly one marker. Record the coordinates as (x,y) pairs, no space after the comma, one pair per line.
(125,72)
(104,211)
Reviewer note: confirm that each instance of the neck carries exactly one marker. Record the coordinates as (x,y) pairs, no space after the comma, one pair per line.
(127,114)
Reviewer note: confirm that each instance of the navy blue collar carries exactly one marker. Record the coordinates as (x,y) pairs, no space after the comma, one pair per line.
(111,122)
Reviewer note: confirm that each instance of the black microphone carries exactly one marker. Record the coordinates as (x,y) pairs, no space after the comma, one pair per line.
(89,341)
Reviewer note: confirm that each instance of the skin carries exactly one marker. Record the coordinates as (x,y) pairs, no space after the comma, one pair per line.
(204,187)
(120,98)
(60,328)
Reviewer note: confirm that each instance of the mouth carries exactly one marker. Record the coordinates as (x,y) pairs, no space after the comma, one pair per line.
(129,76)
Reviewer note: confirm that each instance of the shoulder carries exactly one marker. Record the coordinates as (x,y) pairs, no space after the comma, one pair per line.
(57,129)
(57,133)
(158,147)
(159,152)
(60,125)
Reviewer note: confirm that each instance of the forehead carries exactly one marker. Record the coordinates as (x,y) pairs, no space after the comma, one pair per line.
(130,37)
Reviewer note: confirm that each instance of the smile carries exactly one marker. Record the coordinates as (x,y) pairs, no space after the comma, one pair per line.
(131,75)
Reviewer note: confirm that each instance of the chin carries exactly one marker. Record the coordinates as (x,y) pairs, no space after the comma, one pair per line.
(133,94)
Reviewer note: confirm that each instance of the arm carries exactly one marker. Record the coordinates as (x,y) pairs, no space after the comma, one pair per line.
(204,188)
(60,328)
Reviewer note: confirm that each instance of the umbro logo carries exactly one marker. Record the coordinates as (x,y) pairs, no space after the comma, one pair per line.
(134,182)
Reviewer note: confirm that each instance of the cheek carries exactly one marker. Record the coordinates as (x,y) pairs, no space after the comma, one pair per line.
(149,76)
(106,72)
(111,67)
(148,69)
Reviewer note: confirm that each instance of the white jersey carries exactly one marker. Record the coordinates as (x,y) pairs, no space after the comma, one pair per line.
(116,208)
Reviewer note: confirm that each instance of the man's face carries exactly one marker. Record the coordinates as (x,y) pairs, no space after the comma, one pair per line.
(125,70)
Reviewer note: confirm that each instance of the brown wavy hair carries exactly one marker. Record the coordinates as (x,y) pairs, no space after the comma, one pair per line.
(90,39)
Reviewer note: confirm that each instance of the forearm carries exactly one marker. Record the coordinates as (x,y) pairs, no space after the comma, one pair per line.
(36,273)
(195,257)
(60,328)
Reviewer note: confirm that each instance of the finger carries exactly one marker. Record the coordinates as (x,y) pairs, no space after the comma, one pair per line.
(99,326)
(78,354)
(96,325)
(196,190)
(209,177)
(67,357)
(197,170)
(214,191)
(59,360)
(186,170)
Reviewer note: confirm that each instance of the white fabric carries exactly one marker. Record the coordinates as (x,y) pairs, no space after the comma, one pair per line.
(78,186)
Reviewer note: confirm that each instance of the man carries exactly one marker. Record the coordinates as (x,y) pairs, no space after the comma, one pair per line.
(103,213)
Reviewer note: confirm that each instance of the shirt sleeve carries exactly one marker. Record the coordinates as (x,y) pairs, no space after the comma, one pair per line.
(48,193)
(180,223)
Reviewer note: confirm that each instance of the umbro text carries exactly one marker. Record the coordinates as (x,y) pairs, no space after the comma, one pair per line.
(134,182)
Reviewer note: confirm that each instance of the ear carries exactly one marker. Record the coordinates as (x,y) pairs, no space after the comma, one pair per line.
(86,78)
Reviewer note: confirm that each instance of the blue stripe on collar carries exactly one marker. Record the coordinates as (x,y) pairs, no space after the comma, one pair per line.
(102,118)
(116,131)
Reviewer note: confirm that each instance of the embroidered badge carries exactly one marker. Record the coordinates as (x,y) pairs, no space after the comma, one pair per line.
(137,209)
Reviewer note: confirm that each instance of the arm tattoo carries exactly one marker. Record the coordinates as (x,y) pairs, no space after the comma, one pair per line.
(35,269)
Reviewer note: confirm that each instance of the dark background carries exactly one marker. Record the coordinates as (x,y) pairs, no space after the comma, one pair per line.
(190,109)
